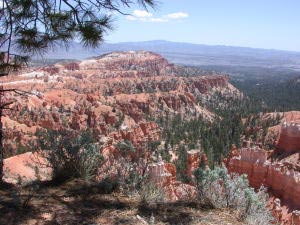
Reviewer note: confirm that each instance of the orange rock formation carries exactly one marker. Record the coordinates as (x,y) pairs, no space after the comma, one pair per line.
(117,95)
(280,176)
(113,95)
(289,141)
(25,168)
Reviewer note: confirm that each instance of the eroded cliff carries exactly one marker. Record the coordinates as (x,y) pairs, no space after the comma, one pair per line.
(117,92)
(278,170)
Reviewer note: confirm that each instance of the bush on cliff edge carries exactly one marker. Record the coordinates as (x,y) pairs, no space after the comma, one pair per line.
(219,189)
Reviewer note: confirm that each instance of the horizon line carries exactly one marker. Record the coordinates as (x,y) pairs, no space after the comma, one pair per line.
(211,45)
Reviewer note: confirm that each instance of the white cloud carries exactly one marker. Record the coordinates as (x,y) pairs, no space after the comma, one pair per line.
(142,15)
(159,20)
(178,15)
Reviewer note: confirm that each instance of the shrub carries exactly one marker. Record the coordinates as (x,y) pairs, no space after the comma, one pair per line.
(133,180)
(219,189)
(108,185)
(70,154)
(125,147)
(130,176)
(153,145)
(150,193)
(21,149)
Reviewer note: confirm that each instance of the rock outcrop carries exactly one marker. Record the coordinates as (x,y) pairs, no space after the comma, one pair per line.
(280,175)
(164,176)
(281,178)
(26,168)
(193,161)
(289,140)
(273,133)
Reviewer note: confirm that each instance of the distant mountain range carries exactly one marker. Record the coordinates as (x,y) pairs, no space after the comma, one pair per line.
(191,54)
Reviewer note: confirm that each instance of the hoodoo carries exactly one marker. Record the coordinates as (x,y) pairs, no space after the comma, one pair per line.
(289,141)
(280,176)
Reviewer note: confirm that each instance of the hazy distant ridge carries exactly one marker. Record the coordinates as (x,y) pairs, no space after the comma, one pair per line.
(192,54)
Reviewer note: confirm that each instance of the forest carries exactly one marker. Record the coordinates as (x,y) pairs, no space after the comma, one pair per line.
(235,118)
(276,88)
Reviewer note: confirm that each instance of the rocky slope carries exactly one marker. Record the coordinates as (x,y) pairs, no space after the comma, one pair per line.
(118,95)
(115,93)
(277,169)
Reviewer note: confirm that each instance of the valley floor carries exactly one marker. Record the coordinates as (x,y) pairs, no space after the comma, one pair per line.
(77,203)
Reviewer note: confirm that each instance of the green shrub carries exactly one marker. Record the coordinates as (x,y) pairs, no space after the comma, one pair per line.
(151,193)
(153,145)
(108,185)
(70,154)
(219,189)
(21,149)
(125,147)
(130,176)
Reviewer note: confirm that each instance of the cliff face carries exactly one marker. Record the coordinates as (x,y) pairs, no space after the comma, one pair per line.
(280,175)
(289,141)
(282,178)
(273,134)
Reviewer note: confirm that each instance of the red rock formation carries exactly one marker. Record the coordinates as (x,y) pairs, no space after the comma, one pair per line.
(281,178)
(72,66)
(160,175)
(296,217)
(180,191)
(142,133)
(164,175)
(106,93)
(193,161)
(114,95)
(289,141)
(204,85)
(273,133)
(26,168)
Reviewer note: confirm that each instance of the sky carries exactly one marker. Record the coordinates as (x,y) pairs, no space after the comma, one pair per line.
(270,24)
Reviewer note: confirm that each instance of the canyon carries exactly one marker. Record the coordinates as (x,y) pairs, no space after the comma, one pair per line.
(113,93)
(119,96)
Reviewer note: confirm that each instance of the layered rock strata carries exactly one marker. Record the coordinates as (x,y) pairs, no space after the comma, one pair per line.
(280,175)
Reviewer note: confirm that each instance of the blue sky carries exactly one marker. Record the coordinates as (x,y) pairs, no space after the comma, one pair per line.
(271,24)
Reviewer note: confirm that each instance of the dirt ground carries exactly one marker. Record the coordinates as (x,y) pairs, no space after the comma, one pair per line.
(74,202)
